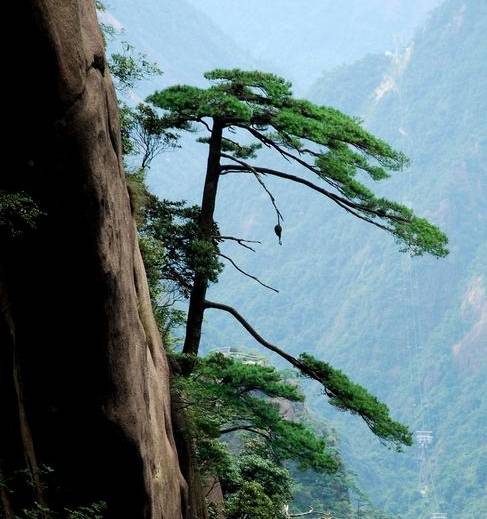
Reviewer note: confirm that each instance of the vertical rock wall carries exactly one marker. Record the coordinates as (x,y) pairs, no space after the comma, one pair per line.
(84,382)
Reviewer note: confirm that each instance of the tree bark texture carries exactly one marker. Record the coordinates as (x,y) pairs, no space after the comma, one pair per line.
(196,308)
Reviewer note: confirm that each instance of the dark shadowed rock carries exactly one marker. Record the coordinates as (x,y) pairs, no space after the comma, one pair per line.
(84,382)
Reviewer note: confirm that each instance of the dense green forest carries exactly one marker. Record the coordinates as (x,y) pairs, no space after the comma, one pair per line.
(429,99)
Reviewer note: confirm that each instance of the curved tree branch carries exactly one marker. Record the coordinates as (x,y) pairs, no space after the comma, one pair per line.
(204,123)
(240,241)
(256,173)
(244,428)
(271,144)
(334,383)
(341,201)
(247,274)
(350,207)
(310,511)
(292,360)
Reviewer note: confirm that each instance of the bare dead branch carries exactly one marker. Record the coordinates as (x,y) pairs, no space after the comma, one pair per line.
(246,273)
(240,241)
(253,170)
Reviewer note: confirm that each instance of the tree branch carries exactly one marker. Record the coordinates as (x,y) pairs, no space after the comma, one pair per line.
(148,144)
(247,274)
(268,142)
(292,360)
(255,172)
(244,428)
(240,241)
(204,123)
(381,425)
(350,207)
(215,480)
(271,144)
(310,511)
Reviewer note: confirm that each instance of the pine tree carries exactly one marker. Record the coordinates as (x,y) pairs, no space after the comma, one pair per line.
(223,396)
(321,140)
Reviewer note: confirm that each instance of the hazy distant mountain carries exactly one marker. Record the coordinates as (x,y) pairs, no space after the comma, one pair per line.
(181,39)
(185,43)
(302,38)
(412,330)
(430,100)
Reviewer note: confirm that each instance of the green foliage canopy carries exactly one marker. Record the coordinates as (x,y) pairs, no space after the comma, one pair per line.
(320,139)
(348,396)
(224,395)
(18,213)
(317,139)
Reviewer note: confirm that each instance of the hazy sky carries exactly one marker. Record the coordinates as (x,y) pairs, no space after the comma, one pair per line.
(301,39)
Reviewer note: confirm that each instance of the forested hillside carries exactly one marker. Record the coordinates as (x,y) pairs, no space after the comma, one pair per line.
(413,330)
(430,100)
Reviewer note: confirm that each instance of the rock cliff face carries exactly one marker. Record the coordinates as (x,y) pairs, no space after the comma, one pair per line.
(83,378)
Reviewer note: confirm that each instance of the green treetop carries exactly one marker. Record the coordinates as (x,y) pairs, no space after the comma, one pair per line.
(330,144)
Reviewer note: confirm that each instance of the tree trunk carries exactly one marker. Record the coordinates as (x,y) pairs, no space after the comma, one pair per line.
(84,381)
(200,285)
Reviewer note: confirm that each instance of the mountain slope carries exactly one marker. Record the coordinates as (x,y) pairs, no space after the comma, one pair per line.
(181,39)
(300,39)
(412,330)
